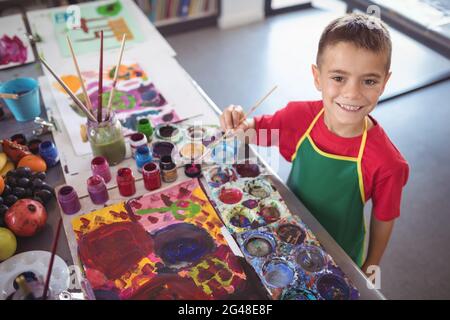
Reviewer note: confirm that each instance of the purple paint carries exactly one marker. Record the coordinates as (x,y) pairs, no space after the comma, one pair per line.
(97,190)
(100,167)
(161,149)
(193,170)
(12,50)
(68,200)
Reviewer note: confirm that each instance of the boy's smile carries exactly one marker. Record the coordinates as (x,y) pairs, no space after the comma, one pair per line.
(351,80)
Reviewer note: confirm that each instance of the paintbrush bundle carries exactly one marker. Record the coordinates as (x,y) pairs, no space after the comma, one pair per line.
(285,254)
(164,245)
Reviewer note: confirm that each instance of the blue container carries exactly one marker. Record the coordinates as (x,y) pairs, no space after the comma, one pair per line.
(27,106)
(142,157)
(49,153)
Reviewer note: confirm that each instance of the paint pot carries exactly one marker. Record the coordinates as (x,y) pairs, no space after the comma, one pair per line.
(126,182)
(137,140)
(278,273)
(247,170)
(152,176)
(258,188)
(100,166)
(168,132)
(163,148)
(27,106)
(291,233)
(19,138)
(168,169)
(142,157)
(48,152)
(332,287)
(33,146)
(259,245)
(144,126)
(310,258)
(68,200)
(193,170)
(230,195)
(97,190)
(192,150)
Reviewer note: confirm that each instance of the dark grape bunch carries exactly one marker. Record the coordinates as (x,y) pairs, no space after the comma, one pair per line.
(23,183)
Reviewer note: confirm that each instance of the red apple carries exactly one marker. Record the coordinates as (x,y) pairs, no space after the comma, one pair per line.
(26,217)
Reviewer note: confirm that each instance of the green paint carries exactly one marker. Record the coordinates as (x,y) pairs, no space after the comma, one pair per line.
(190,211)
(110,10)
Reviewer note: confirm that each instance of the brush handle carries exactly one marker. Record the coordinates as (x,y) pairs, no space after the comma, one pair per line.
(52,259)
(9,96)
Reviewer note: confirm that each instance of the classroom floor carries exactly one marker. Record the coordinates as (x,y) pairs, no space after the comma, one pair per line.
(240,65)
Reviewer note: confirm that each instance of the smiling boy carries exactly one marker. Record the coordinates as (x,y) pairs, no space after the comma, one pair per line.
(340,155)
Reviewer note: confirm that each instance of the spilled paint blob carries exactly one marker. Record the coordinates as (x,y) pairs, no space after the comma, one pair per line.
(250,203)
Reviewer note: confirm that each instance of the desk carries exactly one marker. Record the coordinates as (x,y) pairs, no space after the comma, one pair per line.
(57,177)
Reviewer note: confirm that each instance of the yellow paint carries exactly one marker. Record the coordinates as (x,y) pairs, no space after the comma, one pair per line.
(71,81)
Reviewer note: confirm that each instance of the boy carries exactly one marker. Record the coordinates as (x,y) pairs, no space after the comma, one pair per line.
(341,157)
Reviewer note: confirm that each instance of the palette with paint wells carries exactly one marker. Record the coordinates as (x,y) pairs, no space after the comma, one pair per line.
(163,245)
(292,264)
(284,252)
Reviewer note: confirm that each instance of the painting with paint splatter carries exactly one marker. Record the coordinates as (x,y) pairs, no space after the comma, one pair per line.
(163,245)
(84,22)
(284,252)
(15,48)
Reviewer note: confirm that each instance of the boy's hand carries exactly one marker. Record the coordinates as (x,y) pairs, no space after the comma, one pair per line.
(233,118)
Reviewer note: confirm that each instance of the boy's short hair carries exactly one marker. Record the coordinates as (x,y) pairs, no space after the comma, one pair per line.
(363,31)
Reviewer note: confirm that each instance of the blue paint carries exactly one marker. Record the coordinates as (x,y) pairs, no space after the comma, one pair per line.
(48,152)
(278,274)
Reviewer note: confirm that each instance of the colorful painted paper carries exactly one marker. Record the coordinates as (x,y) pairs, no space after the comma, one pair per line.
(15,48)
(164,245)
(285,254)
(84,22)
(135,97)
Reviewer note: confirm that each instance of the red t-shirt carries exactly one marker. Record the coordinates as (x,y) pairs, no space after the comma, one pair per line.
(384,169)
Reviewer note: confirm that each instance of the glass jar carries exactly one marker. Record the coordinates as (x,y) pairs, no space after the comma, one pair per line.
(107,140)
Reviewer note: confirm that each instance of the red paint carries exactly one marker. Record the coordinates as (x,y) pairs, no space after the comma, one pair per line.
(152,176)
(114,249)
(230,195)
(126,182)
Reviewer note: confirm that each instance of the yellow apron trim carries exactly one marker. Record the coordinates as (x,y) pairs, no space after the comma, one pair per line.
(307,133)
(330,155)
(359,161)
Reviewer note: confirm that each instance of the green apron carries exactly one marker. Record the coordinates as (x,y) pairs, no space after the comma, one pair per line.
(331,187)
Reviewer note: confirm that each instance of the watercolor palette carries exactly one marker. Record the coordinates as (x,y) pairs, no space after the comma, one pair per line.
(163,245)
(285,254)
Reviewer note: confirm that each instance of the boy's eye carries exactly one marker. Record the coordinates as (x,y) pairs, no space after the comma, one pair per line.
(338,79)
(370,82)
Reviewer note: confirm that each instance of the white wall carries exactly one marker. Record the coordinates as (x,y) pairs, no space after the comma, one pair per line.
(239,12)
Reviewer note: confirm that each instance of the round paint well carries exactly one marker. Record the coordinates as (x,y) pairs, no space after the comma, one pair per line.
(230,195)
(332,287)
(162,148)
(291,233)
(270,210)
(196,133)
(224,153)
(258,188)
(238,218)
(219,176)
(259,246)
(299,294)
(310,258)
(192,150)
(248,170)
(278,273)
(168,132)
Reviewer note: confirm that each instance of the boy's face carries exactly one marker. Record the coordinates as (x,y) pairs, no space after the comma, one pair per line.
(351,80)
